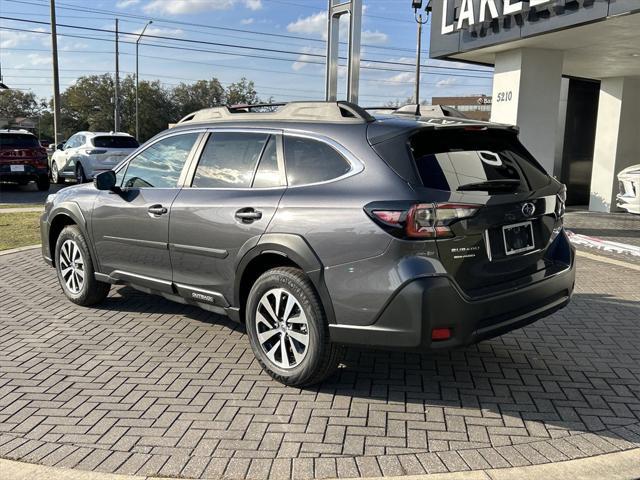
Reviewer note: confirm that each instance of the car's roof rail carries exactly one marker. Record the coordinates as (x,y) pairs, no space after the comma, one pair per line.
(344,112)
(421,111)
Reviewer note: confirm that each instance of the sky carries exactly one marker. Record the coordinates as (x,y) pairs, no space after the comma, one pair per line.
(279,44)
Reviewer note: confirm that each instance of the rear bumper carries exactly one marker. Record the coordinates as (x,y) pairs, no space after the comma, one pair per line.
(630,204)
(433,302)
(29,173)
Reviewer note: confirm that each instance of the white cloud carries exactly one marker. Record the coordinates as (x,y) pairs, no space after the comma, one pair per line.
(37,59)
(253,4)
(126,3)
(316,25)
(404,77)
(374,38)
(446,82)
(247,21)
(13,39)
(181,7)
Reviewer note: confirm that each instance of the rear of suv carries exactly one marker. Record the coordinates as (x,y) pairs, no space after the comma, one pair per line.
(86,154)
(318,225)
(23,159)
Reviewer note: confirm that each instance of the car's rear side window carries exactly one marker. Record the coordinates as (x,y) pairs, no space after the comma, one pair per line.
(115,142)
(18,140)
(311,161)
(229,160)
(449,160)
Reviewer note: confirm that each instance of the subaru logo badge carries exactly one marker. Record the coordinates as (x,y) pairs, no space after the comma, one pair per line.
(528,209)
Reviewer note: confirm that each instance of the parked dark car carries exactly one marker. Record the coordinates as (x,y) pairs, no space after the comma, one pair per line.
(23,159)
(318,226)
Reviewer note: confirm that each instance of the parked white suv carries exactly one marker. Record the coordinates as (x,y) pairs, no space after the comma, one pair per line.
(629,196)
(86,154)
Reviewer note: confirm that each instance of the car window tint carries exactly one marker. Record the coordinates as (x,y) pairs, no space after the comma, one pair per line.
(268,173)
(311,161)
(115,142)
(18,140)
(160,165)
(229,160)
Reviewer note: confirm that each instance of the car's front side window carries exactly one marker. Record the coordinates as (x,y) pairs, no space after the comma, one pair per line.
(229,160)
(159,165)
(311,161)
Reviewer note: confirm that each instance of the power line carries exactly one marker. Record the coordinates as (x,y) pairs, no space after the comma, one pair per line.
(268,50)
(157,20)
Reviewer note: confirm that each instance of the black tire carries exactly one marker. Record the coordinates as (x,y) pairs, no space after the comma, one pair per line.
(80,175)
(322,357)
(91,291)
(55,174)
(43,183)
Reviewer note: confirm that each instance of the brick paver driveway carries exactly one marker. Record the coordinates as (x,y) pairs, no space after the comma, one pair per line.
(141,385)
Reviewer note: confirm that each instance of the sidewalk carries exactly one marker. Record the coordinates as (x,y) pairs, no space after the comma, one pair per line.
(614,466)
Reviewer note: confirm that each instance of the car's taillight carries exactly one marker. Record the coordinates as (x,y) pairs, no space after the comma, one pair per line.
(561,201)
(94,151)
(426,220)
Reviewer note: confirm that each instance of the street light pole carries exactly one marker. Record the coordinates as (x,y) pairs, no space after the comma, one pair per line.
(56,78)
(137,77)
(417,5)
(116,111)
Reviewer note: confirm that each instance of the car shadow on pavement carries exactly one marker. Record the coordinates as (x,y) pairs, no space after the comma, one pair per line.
(575,371)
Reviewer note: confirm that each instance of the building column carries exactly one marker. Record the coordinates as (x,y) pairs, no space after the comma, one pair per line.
(526,92)
(617,139)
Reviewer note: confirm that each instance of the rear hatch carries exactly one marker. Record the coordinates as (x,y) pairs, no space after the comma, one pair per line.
(20,152)
(110,150)
(508,206)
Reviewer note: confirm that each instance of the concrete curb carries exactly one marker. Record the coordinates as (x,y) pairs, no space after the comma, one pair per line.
(611,261)
(20,249)
(21,210)
(612,466)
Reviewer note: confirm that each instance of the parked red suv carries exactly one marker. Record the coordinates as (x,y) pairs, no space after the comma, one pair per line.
(23,159)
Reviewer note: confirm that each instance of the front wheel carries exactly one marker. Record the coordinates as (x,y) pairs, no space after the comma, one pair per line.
(75,269)
(55,174)
(288,330)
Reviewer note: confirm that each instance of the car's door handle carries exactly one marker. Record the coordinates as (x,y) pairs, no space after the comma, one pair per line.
(157,210)
(248,215)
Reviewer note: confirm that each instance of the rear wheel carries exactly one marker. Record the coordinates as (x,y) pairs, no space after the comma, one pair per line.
(75,269)
(80,175)
(43,183)
(55,174)
(288,330)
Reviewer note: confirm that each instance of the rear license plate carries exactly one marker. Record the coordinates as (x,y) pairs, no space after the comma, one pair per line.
(518,238)
(17,168)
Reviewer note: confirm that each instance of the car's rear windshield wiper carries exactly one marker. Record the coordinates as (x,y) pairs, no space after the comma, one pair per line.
(505,184)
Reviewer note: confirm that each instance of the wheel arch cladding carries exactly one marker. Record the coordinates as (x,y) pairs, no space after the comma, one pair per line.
(64,215)
(277,250)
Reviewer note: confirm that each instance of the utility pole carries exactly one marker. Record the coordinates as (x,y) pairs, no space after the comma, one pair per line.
(116,100)
(417,5)
(56,78)
(137,76)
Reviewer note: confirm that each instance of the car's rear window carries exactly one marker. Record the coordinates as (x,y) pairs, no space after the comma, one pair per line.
(115,142)
(453,160)
(18,140)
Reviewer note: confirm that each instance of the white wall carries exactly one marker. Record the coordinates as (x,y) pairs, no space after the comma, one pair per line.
(617,139)
(526,92)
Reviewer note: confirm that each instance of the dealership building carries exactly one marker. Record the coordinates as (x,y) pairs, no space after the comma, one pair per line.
(567,72)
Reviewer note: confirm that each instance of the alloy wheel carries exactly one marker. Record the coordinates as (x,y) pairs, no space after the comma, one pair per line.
(282,328)
(72,266)
(54,172)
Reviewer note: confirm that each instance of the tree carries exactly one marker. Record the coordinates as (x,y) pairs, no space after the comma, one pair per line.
(87,105)
(242,92)
(156,108)
(15,103)
(189,98)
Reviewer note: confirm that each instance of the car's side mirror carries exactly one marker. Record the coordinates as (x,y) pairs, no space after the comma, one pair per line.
(60,146)
(106,181)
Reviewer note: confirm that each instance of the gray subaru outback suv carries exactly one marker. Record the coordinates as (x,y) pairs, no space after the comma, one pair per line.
(319,225)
